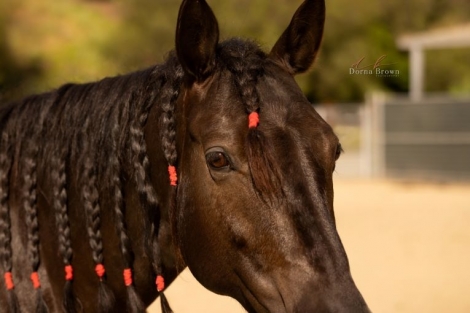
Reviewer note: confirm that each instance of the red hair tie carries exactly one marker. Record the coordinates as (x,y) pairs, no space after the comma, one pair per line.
(68,272)
(160,282)
(9,281)
(35,280)
(253,120)
(99,270)
(173,175)
(127,277)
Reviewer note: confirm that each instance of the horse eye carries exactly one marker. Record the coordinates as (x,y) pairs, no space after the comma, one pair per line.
(217,160)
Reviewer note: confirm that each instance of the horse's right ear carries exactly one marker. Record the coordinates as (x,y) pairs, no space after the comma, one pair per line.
(197,36)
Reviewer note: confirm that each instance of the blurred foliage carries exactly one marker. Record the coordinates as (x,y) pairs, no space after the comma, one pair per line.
(45,43)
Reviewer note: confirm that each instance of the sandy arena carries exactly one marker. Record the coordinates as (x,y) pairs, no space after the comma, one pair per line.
(408,246)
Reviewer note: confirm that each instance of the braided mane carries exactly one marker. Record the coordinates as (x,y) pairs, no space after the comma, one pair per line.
(90,126)
(98,130)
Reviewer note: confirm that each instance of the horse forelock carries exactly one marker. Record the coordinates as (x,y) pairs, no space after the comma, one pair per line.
(246,62)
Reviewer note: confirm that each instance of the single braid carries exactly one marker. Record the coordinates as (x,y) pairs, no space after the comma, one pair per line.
(59,203)
(90,197)
(134,303)
(92,208)
(55,162)
(29,196)
(59,192)
(141,163)
(141,175)
(168,98)
(5,222)
(247,66)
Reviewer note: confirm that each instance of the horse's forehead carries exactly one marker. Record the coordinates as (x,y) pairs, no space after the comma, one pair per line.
(220,107)
(284,105)
(215,106)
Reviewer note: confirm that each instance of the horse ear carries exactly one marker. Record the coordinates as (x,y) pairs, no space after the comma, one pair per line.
(197,36)
(297,48)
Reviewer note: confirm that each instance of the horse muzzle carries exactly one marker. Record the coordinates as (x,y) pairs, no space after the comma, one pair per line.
(301,293)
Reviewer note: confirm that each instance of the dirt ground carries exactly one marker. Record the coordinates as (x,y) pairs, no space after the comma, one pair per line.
(408,246)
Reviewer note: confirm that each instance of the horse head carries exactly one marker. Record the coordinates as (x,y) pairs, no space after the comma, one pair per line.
(254,212)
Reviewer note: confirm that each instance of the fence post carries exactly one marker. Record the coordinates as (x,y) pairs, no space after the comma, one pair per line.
(374,133)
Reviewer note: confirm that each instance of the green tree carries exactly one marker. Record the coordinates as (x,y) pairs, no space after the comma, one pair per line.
(45,43)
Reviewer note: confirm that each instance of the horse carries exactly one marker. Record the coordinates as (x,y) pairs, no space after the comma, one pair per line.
(214,160)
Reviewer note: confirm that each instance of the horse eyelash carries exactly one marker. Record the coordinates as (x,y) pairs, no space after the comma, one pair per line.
(339,150)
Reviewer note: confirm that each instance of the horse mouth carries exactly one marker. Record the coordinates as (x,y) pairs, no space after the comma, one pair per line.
(273,295)
(262,296)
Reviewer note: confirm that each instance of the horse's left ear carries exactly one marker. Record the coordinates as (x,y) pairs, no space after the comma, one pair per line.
(297,47)
(197,36)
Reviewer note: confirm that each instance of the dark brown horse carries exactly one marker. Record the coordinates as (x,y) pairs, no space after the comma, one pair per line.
(213,160)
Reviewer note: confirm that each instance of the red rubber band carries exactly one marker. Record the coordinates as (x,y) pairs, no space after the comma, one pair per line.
(68,272)
(253,120)
(99,269)
(127,277)
(35,280)
(173,175)
(160,282)
(9,281)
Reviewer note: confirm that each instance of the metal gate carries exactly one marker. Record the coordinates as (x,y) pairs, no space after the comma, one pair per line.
(429,139)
